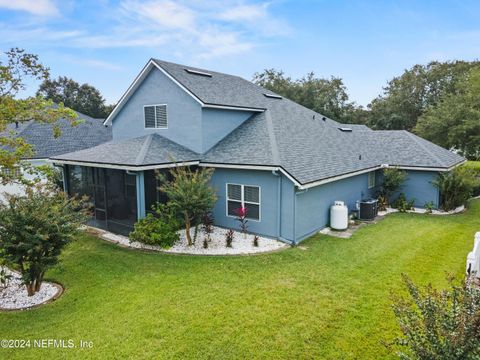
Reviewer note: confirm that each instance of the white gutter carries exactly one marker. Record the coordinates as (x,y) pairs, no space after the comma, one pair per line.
(124,167)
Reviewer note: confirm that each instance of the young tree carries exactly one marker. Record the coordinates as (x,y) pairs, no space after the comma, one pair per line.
(14,72)
(83,98)
(392,181)
(438,324)
(189,193)
(35,227)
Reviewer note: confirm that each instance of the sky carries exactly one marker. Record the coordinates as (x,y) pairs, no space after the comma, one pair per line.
(366,43)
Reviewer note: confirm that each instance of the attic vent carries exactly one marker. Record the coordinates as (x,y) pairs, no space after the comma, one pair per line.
(272,96)
(345,129)
(197,72)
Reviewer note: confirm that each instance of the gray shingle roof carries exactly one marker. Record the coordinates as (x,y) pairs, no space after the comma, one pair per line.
(88,133)
(304,143)
(147,150)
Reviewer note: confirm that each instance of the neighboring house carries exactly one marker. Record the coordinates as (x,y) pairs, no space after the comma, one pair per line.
(88,133)
(285,163)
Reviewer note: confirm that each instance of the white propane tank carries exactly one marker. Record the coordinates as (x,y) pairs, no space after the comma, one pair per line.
(339,216)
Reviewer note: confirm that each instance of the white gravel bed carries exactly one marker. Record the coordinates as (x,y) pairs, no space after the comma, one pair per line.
(15,297)
(216,246)
(424,211)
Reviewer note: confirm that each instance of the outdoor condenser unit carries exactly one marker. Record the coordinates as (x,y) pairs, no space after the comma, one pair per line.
(368,209)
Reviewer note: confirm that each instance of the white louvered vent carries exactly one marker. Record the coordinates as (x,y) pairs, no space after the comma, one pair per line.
(155,116)
(161,116)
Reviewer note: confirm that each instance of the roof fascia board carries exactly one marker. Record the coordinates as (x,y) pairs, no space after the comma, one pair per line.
(336,178)
(123,167)
(250,167)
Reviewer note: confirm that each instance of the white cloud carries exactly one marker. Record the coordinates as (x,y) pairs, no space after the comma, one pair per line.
(198,29)
(251,12)
(35,7)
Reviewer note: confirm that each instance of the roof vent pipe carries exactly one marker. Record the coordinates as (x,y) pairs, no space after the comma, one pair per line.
(324,118)
(360,157)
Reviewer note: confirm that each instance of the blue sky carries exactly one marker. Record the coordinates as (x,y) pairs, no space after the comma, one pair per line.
(106,43)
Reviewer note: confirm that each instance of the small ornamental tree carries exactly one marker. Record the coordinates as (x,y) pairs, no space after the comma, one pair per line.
(392,181)
(189,193)
(34,229)
(241,213)
(438,324)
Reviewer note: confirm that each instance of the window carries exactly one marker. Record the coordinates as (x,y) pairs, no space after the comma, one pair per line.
(243,196)
(371,179)
(8,172)
(155,116)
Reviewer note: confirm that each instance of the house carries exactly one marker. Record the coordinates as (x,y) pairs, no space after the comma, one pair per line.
(88,133)
(285,163)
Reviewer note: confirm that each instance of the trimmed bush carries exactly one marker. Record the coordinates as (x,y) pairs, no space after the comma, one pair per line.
(402,204)
(456,187)
(438,324)
(159,229)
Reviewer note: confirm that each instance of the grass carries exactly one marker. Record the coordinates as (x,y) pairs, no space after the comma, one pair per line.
(330,300)
(473,165)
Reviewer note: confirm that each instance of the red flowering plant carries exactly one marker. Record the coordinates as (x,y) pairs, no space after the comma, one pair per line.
(241,213)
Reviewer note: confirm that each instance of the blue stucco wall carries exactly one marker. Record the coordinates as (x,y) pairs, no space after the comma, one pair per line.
(313,206)
(183,112)
(269,201)
(418,186)
(217,123)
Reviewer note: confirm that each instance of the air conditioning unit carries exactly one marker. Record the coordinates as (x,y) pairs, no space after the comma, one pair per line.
(368,209)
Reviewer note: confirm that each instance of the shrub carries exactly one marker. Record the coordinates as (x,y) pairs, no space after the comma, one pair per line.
(4,278)
(207,224)
(205,243)
(438,324)
(255,240)
(35,228)
(382,203)
(392,181)
(242,219)
(401,203)
(229,237)
(189,193)
(429,207)
(160,228)
(455,187)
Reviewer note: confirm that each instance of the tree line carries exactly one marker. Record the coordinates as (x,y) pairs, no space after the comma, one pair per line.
(439,101)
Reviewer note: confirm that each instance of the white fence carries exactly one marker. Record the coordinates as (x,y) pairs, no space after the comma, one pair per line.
(473,258)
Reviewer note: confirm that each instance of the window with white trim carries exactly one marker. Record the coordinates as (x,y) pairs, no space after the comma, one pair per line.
(155,116)
(246,196)
(371,179)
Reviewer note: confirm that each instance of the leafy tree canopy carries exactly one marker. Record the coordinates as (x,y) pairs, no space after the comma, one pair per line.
(408,96)
(16,66)
(455,121)
(83,98)
(326,96)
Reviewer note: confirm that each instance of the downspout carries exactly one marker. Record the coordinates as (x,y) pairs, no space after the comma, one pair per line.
(279,203)
(295,242)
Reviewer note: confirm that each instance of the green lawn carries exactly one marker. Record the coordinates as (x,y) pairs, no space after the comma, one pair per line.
(330,300)
(473,165)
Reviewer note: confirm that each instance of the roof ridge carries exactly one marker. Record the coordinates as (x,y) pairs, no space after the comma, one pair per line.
(414,138)
(272,137)
(143,151)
